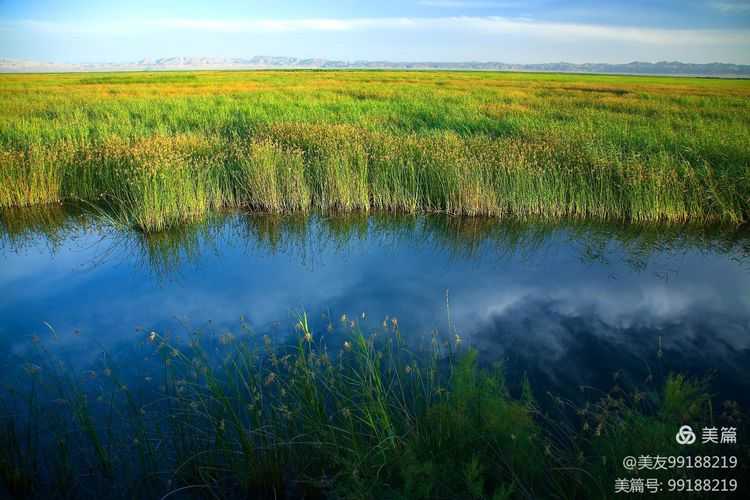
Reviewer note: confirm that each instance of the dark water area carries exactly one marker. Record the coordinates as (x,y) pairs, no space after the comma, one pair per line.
(568,306)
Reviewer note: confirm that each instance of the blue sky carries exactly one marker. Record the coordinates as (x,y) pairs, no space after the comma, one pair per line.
(408,30)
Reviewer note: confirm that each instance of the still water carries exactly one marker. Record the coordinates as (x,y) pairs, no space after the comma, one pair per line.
(565,305)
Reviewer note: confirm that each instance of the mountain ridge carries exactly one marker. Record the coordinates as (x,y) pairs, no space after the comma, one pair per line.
(668,68)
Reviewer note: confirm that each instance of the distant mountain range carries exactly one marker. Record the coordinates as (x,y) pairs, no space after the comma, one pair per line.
(267,62)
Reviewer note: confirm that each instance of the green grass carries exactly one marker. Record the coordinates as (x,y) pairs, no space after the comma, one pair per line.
(339,414)
(159,149)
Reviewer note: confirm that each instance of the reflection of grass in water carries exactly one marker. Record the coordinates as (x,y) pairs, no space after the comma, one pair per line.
(19,227)
(364,417)
(275,232)
(306,235)
(169,148)
(166,251)
(468,236)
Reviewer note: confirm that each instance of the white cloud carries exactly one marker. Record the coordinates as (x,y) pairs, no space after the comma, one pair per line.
(457,4)
(731,7)
(489,26)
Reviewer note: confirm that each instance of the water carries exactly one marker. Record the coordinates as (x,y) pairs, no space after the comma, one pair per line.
(564,305)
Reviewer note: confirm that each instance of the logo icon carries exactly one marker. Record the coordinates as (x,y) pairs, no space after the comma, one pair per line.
(685,435)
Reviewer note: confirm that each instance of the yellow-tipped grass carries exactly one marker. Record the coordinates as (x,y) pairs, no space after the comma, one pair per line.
(163,149)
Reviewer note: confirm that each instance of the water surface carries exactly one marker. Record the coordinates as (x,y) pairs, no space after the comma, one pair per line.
(566,305)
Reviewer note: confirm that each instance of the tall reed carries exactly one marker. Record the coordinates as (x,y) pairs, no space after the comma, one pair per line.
(342,414)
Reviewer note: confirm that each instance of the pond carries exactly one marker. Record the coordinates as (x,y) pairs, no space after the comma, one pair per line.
(564,306)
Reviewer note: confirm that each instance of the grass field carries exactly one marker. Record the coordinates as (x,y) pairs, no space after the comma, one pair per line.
(157,149)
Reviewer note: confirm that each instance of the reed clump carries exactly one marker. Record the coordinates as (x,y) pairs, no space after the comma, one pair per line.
(352,415)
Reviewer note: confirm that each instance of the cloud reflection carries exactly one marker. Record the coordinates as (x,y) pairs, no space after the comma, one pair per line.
(566,302)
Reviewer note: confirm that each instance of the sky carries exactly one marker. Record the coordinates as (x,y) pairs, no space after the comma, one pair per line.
(534,31)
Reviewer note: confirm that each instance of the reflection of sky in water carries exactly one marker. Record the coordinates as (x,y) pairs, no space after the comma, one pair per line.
(542,304)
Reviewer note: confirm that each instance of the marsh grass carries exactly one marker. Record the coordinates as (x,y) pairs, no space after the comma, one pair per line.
(345,414)
(156,151)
